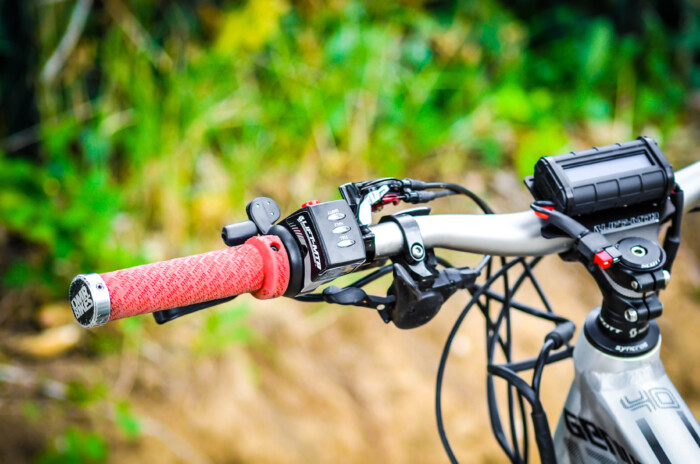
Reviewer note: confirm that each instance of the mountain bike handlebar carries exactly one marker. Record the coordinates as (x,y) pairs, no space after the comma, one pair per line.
(260,266)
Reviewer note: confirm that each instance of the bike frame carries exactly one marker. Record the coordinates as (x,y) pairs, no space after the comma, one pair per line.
(624,409)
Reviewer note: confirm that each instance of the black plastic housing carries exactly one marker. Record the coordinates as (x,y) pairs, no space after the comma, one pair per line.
(602,178)
(329,240)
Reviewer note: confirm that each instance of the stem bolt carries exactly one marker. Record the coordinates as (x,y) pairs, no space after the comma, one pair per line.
(634,285)
(667,276)
(631,315)
(639,250)
(417,251)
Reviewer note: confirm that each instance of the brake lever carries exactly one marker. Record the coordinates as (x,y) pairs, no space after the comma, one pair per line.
(364,213)
(355,296)
(168,315)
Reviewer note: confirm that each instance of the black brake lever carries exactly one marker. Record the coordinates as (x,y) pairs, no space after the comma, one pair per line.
(355,296)
(168,315)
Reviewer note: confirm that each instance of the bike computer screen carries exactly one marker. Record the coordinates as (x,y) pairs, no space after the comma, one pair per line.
(602,178)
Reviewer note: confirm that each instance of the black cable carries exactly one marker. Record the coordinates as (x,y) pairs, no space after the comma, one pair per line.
(494,418)
(493,331)
(489,323)
(536,284)
(445,353)
(382,180)
(539,365)
(526,437)
(496,327)
(527,309)
(542,434)
(506,349)
(462,190)
(430,196)
(494,415)
(512,378)
(492,338)
(672,240)
(527,364)
(505,310)
(381,272)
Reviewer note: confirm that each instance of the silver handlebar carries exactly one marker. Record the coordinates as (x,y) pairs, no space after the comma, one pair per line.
(514,234)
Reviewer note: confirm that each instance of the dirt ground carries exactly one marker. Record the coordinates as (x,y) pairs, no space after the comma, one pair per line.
(316,383)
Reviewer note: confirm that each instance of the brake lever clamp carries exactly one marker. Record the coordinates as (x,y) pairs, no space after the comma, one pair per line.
(413,254)
(419,287)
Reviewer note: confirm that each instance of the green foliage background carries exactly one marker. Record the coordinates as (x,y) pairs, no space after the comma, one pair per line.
(167,117)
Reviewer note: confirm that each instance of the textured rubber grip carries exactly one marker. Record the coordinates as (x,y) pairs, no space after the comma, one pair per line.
(260,266)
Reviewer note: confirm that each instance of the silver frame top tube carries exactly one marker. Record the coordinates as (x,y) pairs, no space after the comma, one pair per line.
(514,234)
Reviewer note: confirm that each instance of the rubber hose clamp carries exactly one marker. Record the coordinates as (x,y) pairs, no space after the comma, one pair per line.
(275,266)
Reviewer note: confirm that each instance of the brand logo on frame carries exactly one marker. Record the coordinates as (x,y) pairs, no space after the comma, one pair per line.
(591,433)
(651,399)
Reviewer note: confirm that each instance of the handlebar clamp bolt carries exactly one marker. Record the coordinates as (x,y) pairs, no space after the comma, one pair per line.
(634,285)
(631,315)
(417,252)
(667,276)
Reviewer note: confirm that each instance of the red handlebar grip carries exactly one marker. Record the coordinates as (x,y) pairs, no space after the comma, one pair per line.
(260,266)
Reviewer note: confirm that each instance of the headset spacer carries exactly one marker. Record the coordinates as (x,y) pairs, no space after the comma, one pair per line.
(89,300)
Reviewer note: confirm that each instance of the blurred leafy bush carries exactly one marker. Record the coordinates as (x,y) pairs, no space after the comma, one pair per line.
(167,117)
(76,446)
(223,328)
